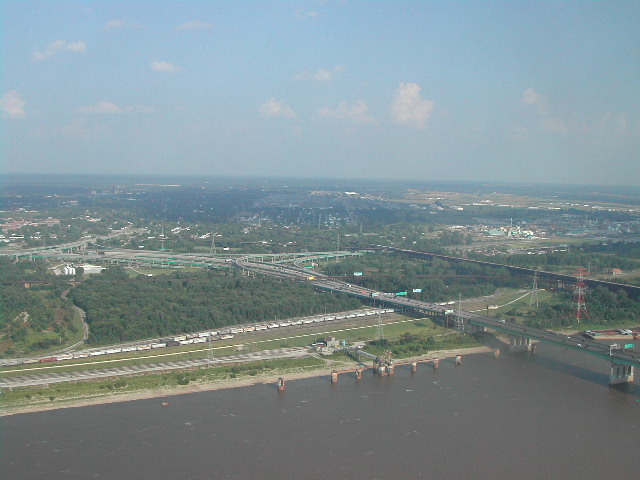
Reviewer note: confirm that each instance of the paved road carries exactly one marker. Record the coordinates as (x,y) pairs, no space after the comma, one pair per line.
(58,377)
(615,355)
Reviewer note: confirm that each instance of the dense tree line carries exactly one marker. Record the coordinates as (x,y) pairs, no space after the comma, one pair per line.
(120,309)
(35,317)
(599,260)
(439,279)
(604,307)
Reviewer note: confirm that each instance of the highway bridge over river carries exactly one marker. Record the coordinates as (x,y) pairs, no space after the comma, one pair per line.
(622,361)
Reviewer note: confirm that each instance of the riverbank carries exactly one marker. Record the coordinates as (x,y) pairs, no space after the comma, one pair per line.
(270,377)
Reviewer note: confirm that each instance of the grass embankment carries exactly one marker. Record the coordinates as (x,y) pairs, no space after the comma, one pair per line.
(59,393)
(411,345)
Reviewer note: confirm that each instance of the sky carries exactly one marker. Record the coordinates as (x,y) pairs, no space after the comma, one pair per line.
(507,91)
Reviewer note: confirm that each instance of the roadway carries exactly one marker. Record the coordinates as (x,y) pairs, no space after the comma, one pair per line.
(59,377)
(604,351)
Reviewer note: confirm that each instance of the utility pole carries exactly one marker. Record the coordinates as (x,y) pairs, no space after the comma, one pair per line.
(534,290)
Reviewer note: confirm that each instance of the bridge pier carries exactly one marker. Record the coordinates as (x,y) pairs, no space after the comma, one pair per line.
(519,344)
(471,328)
(620,374)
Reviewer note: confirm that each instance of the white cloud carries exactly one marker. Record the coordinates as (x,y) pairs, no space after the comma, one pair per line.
(276,108)
(100,107)
(114,24)
(358,112)
(59,46)
(409,107)
(305,14)
(194,25)
(119,24)
(109,108)
(531,97)
(164,67)
(548,120)
(12,105)
(321,75)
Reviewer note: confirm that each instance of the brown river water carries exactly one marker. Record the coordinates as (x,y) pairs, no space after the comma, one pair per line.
(550,415)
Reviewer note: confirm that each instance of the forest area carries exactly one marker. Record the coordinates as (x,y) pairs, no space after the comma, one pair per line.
(120,309)
(33,316)
(438,279)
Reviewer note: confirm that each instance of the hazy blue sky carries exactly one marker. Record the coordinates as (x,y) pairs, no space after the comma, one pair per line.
(543,91)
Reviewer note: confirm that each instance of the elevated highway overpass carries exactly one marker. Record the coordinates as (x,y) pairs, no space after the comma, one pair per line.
(622,361)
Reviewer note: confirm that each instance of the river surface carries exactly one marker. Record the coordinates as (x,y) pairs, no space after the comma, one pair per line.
(519,416)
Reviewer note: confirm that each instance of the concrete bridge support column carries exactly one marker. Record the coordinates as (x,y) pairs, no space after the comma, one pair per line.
(620,374)
(469,328)
(519,344)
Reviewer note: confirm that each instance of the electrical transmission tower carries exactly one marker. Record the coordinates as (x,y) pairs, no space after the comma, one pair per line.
(579,295)
(380,329)
(213,244)
(534,291)
(209,351)
(458,322)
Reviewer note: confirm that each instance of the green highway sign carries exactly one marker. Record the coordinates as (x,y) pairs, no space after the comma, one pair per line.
(400,293)
(629,345)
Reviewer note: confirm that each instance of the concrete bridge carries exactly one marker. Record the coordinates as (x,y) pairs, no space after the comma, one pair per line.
(622,361)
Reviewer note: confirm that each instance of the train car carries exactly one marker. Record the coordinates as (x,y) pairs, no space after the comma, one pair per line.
(172,343)
(80,355)
(199,340)
(98,353)
(180,338)
(249,329)
(226,337)
(261,327)
(48,359)
(111,351)
(144,347)
(66,356)
(128,349)
(158,345)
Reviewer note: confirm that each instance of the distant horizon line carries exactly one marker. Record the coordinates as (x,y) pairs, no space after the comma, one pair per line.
(201,177)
